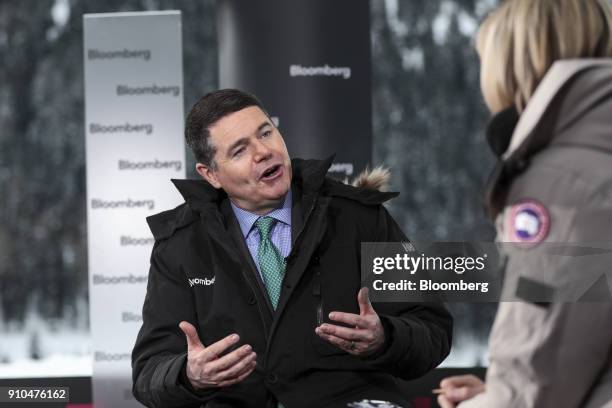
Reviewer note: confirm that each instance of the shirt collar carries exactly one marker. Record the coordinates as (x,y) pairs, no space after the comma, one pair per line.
(246,219)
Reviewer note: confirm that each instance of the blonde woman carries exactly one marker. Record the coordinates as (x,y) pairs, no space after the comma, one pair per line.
(546,75)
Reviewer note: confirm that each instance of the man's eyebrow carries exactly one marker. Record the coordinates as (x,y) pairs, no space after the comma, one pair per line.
(245,139)
(263,125)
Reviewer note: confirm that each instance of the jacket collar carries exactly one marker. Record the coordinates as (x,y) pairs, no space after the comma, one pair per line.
(308,179)
(307,175)
(526,138)
(554,106)
(499,130)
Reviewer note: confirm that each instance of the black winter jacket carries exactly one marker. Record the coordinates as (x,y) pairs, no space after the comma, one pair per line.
(201,239)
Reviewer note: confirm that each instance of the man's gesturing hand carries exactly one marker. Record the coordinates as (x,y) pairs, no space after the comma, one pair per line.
(365,335)
(207,368)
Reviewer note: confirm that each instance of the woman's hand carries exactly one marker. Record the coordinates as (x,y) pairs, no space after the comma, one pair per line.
(458,388)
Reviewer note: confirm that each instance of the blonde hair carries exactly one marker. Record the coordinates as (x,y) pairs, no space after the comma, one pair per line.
(521,39)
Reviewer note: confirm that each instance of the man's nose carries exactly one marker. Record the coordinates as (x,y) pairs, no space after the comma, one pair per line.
(262,151)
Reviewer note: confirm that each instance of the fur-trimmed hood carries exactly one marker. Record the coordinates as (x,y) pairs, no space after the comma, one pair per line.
(309,176)
(375,179)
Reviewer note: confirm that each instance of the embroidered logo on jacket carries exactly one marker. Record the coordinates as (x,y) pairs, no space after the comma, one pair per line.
(200,281)
(529,222)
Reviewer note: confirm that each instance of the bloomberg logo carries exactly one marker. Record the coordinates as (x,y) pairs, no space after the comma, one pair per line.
(127,317)
(120,279)
(323,70)
(199,281)
(126,240)
(103,356)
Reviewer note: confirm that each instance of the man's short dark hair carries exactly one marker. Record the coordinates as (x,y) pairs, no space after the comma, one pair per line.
(206,112)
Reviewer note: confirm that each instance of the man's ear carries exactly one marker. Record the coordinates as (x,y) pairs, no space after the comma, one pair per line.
(208,174)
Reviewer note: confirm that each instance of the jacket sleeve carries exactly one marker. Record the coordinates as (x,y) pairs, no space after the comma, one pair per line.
(554,354)
(418,335)
(159,355)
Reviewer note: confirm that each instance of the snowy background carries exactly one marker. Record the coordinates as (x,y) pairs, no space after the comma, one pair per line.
(428,128)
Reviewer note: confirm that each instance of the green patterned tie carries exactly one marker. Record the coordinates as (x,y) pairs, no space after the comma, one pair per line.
(271,262)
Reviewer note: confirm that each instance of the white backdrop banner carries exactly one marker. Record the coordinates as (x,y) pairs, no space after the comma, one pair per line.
(134,146)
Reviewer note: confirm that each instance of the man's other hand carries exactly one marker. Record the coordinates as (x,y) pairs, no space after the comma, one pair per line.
(207,367)
(366,334)
(458,388)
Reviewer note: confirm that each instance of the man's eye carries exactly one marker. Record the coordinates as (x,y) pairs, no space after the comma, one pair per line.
(267,133)
(238,152)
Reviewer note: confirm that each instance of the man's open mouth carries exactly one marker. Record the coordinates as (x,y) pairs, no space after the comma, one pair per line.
(271,172)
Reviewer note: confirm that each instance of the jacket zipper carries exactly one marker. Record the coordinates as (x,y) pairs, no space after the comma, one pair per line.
(317,283)
(316,292)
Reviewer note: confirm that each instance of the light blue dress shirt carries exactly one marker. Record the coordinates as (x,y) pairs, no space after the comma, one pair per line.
(280,234)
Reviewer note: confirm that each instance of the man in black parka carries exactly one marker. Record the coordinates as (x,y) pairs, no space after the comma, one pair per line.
(274,320)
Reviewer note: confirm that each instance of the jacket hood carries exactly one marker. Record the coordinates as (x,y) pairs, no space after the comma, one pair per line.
(376,179)
(309,176)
